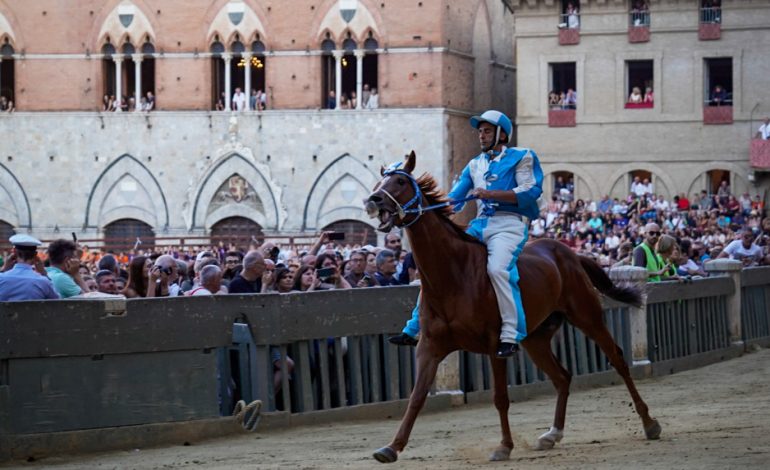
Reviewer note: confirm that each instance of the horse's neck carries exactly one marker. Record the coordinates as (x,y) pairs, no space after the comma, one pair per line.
(435,243)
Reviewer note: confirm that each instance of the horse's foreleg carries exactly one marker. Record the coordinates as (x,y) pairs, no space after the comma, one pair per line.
(427,365)
(502,402)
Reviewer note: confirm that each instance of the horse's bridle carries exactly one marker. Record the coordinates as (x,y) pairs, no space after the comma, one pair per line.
(402,210)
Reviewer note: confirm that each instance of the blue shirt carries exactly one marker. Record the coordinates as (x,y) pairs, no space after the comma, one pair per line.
(24,283)
(513,169)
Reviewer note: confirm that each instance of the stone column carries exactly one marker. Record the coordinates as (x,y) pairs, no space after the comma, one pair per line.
(137,81)
(118,82)
(638,315)
(359,76)
(448,378)
(247,79)
(732,269)
(337,76)
(227,57)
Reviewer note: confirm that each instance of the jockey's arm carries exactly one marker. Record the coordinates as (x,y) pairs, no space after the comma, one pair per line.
(529,177)
(461,188)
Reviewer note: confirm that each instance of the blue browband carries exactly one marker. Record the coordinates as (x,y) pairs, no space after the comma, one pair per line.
(405,209)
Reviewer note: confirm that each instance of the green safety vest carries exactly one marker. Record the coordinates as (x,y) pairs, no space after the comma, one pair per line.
(654,262)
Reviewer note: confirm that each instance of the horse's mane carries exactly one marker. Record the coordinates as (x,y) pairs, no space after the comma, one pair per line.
(434,195)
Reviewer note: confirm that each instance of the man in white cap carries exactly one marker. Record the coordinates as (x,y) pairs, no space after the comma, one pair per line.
(21,280)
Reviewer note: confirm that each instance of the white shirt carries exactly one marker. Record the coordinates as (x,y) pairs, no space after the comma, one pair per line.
(239,101)
(736,250)
(764,131)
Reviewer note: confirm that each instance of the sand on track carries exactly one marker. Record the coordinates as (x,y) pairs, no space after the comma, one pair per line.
(714,417)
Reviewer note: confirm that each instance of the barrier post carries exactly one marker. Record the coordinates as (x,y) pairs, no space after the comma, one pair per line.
(638,315)
(448,378)
(732,269)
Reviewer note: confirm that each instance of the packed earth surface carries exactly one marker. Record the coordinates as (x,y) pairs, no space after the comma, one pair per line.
(714,417)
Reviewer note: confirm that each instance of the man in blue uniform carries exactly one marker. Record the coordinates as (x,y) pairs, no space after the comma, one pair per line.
(508,183)
(21,280)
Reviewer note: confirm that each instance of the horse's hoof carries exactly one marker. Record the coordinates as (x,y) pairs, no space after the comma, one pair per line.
(653,431)
(501,453)
(548,440)
(385,455)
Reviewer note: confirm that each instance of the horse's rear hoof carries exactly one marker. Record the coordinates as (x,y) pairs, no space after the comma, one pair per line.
(653,431)
(385,455)
(501,453)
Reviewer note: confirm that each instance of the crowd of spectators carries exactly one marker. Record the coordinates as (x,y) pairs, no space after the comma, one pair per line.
(127,104)
(562,100)
(684,232)
(369,99)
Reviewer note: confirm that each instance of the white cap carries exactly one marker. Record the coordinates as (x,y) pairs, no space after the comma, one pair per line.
(23,239)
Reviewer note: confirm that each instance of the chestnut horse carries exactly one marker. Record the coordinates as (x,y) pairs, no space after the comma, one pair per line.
(458,309)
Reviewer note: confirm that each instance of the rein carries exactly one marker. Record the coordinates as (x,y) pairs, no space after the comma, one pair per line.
(406,209)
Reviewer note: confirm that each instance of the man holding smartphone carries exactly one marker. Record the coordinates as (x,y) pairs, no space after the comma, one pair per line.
(358,276)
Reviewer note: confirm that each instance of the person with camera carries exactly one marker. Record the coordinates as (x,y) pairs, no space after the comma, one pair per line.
(327,270)
(358,276)
(163,277)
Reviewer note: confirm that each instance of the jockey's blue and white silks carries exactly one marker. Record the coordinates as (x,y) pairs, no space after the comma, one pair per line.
(502,226)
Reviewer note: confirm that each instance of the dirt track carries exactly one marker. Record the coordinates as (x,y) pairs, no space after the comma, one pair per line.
(716,417)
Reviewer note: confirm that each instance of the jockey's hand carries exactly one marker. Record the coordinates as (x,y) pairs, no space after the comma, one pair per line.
(480,193)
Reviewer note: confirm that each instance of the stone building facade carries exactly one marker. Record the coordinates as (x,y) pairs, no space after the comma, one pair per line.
(682,52)
(196,166)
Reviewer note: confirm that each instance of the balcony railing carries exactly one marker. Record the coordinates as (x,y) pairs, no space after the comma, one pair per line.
(718,114)
(639,26)
(569,29)
(760,154)
(561,118)
(710,27)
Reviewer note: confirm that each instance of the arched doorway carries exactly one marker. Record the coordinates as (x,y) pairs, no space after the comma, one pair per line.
(127,234)
(239,231)
(6,232)
(355,232)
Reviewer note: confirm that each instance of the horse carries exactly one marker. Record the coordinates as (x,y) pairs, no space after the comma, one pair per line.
(458,307)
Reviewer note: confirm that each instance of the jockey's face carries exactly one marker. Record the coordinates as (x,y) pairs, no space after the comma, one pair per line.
(486,135)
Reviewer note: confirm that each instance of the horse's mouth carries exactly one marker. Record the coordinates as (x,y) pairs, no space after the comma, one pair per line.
(386,220)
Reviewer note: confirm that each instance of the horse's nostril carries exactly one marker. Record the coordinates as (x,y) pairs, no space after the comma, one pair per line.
(375,198)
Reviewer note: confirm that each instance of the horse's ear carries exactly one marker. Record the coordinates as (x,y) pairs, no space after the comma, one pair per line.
(382,171)
(411,160)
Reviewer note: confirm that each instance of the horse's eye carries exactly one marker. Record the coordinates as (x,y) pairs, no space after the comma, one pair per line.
(401,181)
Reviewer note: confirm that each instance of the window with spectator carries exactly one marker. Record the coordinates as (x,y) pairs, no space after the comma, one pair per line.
(563,185)
(711,11)
(329,73)
(218,55)
(640,13)
(369,80)
(718,179)
(127,234)
(349,73)
(641,183)
(109,75)
(7,76)
(639,87)
(239,231)
(257,90)
(570,14)
(238,75)
(718,81)
(563,89)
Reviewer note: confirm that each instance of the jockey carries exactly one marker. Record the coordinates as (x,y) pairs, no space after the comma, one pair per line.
(508,182)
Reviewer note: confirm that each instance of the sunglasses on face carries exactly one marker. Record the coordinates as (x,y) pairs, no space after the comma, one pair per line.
(654,234)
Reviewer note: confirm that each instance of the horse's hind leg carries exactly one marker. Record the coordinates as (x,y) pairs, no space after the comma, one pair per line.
(427,365)
(596,330)
(538,346)
(502,402)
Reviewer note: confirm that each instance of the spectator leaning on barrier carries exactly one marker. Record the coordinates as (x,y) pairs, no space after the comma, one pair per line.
(328,271)
(668,254)
(211,281)
(138,276)
(163,278)
(23,276)
(744,250)
(64,271)
(644,253)
(305,279)
(105,281)
(358,276)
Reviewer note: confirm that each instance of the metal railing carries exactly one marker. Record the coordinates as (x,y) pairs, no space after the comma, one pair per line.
(639,19)
(711,15)
(755,304)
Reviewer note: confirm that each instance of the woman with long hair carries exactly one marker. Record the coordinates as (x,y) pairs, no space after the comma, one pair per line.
(305,279)
(283,281)
(138,275)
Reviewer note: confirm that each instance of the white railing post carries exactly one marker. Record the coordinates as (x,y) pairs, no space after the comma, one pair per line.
(732,269)
(638,315)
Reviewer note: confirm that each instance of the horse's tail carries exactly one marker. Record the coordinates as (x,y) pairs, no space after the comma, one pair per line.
(600,280)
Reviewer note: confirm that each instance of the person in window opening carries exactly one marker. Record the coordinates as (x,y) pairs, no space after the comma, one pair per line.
(764,130)
(331,100)
(712,11)
(374,100)
(636,96)
(150,105)
(352,101)
(649,97)
(262,101)
(253,99)
(570,99)
(573,18)
(220,106)
(553,100)
(365,96)
(106,103)
(718,96)
(6,105)
(239,100)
